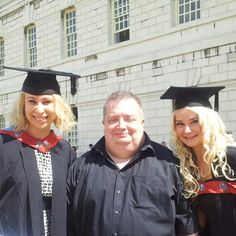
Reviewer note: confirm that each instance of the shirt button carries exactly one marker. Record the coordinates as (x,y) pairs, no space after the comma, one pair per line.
(115,234)
(118,191)
(116,212)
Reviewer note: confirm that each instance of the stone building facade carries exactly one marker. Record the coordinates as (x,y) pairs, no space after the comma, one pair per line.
(139,45)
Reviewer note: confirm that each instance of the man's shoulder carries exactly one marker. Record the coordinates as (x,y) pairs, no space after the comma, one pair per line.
(85,161)
(163,153)
(88,156)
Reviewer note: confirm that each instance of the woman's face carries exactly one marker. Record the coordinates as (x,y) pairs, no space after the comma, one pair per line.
(188,129)
(40,114)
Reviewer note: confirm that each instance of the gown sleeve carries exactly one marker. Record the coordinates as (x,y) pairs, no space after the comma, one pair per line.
(186,212)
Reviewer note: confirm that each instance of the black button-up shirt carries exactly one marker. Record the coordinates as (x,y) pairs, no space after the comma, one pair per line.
(142,198)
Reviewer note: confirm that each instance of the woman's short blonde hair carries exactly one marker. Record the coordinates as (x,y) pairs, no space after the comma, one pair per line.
(64,121)
(215,142)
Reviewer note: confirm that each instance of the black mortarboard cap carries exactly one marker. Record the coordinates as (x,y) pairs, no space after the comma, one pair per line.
(43,81)
(192,96)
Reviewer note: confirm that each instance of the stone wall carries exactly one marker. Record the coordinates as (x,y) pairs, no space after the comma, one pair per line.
(159,53)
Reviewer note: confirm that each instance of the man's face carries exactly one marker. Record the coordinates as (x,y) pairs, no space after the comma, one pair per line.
(123,125)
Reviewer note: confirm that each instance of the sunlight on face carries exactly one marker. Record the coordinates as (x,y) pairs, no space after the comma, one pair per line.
(187,127)
(40,113)
(123,124)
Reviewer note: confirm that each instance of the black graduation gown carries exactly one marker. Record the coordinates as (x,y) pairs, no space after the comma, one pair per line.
(220,209)
(21,204)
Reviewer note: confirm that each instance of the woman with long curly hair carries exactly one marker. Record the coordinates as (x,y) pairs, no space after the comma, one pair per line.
(207,157)
(34,160)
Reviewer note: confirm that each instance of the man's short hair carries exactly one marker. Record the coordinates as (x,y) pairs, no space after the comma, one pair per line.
(118,96)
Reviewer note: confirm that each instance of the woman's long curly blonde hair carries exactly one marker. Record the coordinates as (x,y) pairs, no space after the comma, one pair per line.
(64,116)
(215,142)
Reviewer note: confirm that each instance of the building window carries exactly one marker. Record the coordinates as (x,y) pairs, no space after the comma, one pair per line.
(1,56)
(70,33)
(121,20)
(2,122)
(188,10)
(31,46)
(72,136)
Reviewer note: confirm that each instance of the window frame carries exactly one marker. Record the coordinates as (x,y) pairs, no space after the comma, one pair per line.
(120,20)
(31,45)
(73,135)
(2,121)
(70,32)
(2,56)
(185,12)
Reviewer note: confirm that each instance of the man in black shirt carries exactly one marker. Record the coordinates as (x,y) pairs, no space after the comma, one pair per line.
(127,185)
